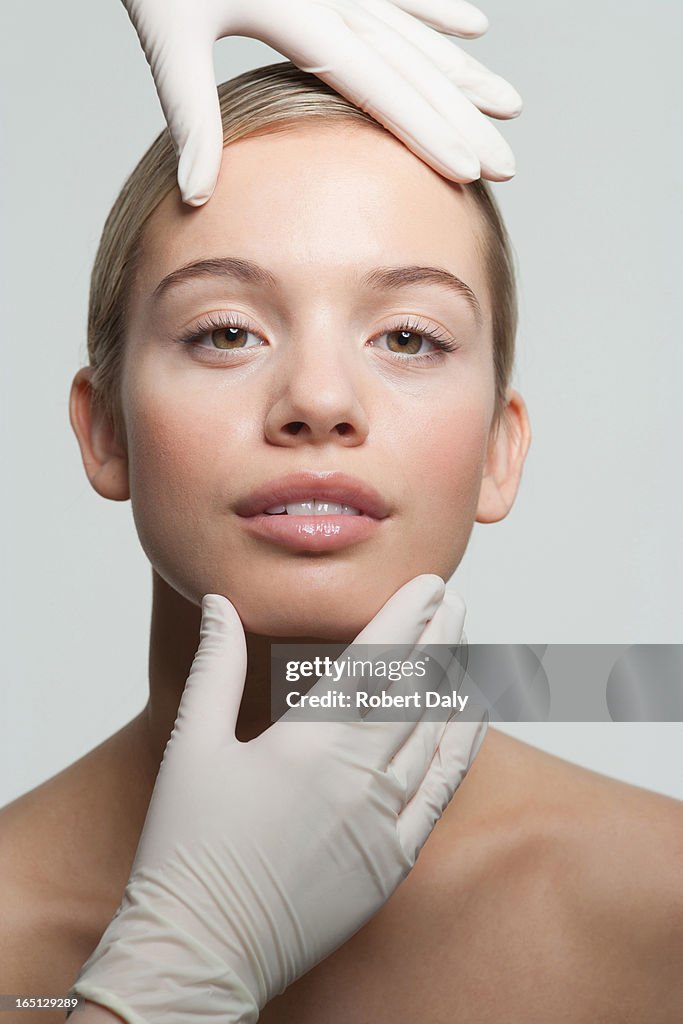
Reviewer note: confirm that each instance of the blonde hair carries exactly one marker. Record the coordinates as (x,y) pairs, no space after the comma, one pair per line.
(262,101)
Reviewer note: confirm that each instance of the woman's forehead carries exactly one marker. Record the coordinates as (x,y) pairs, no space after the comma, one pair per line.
(320,198)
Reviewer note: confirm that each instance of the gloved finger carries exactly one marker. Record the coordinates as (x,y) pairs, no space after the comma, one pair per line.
(445,626)
(489,92)
(328,48)
(402,52)
(398,640)
(447,629)
(445,635)
(385,733)
(409,763)
(454,17)
(210,702)
(403,618)
(411,760)
(184,77)
(459,746)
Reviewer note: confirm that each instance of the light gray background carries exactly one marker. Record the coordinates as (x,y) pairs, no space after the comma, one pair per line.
(591,552)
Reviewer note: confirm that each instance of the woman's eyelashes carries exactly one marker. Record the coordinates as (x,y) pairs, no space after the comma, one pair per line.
(410,340)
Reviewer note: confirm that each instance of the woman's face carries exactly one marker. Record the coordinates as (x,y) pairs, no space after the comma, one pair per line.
(320,368)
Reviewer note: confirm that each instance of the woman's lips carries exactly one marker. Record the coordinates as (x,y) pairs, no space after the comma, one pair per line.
(303,486)
(315,533)
(320,531)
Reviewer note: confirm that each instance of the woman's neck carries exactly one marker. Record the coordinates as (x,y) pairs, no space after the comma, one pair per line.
(174,638)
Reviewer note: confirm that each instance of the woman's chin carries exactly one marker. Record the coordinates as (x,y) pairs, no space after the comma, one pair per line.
(314,627)
(328,616)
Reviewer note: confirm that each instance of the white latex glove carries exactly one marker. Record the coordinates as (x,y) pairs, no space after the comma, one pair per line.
(387,58)
(259,859)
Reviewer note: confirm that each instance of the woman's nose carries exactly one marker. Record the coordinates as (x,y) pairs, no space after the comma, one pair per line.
(317,402)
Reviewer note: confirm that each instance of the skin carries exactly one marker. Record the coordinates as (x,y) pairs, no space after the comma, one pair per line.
(522,880)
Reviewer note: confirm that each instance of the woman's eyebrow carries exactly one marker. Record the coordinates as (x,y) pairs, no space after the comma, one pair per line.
(381,278)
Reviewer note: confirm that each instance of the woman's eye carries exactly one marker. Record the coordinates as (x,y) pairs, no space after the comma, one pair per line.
(414,345)
(223,333)
(409,342)
(226,338)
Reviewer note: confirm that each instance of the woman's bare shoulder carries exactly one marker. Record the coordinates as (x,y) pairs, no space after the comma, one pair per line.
(571,883)
(76,833)
(519,777)
(43,852)
(36,935)
(625,840)
(620,850)
(64,859)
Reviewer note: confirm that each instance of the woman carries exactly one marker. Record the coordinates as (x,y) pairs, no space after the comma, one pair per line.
(268,333)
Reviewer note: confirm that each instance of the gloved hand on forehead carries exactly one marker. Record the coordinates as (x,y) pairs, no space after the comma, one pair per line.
(388,58)
(259,859)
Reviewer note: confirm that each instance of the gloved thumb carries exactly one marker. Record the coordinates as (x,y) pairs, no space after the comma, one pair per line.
(213,692)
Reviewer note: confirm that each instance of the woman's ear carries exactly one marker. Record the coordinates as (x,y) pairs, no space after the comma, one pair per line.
(508,445)
(104,460)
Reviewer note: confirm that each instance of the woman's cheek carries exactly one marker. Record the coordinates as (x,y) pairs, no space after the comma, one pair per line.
(446,474)
(169,463)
